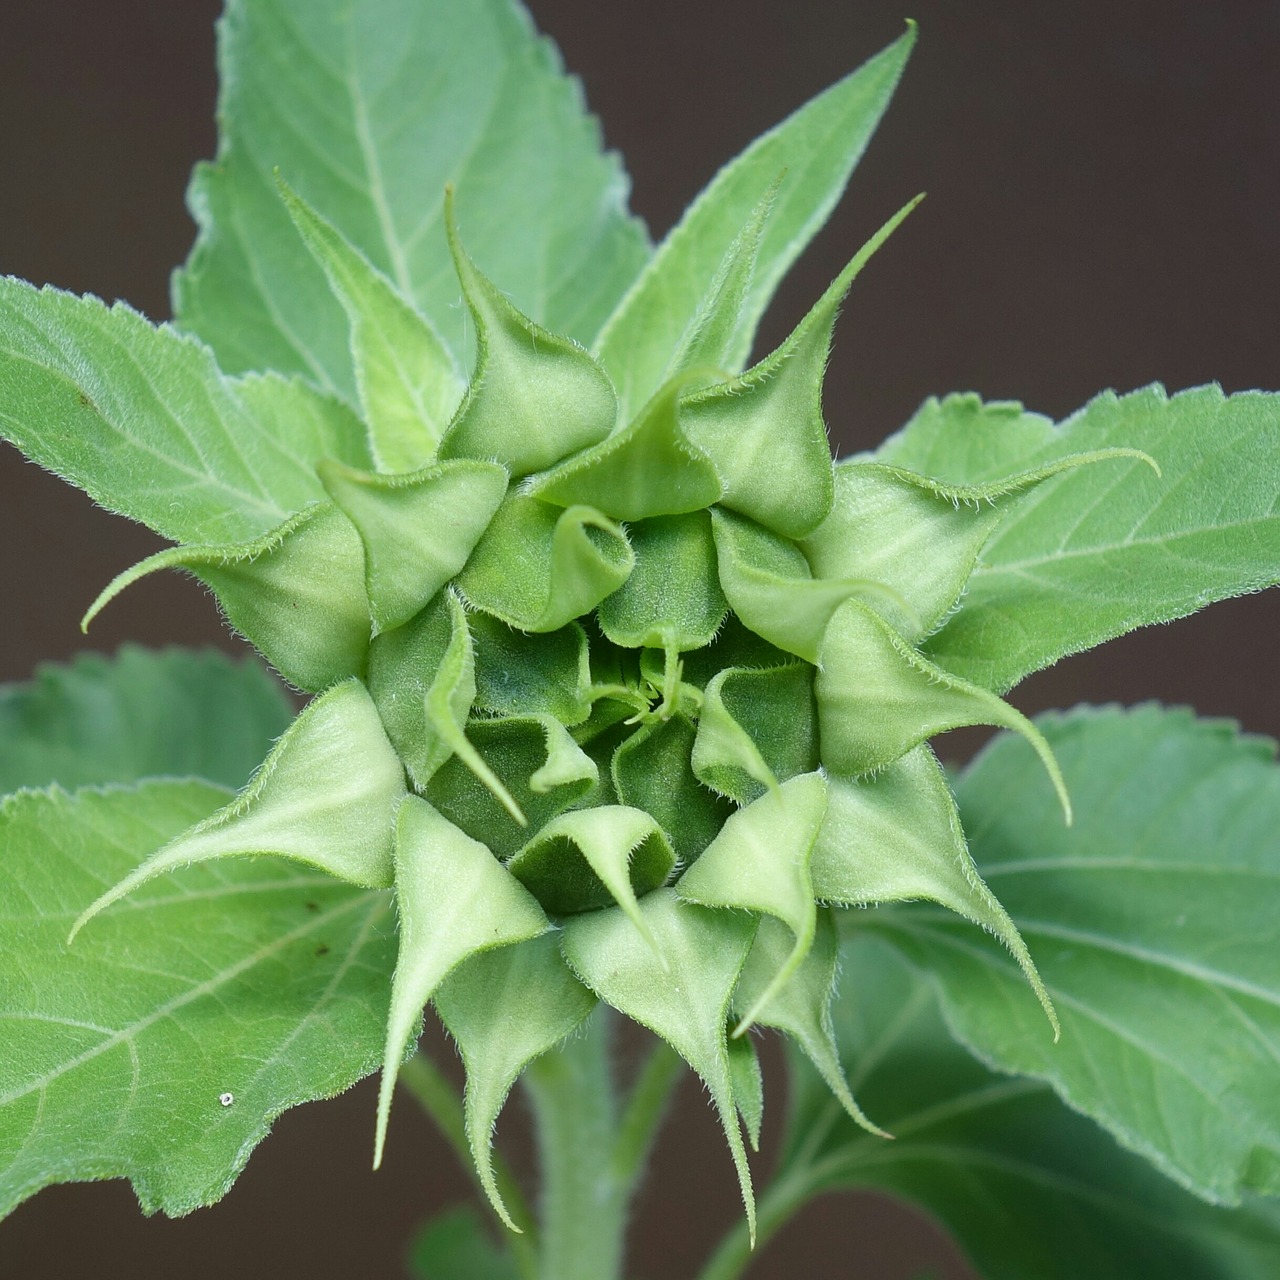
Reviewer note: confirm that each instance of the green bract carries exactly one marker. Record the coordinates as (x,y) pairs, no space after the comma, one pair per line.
(640,670)
(622,686)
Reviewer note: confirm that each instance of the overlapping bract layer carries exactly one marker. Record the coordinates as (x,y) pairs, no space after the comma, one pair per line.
(620,706)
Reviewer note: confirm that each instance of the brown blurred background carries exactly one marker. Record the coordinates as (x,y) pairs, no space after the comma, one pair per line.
(1103,188)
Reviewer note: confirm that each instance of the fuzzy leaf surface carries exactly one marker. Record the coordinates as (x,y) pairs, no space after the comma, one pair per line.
(249,978)
(142,420)
(369,114)
(1155,923)
(817,147)
(1101,550)
(169,713)
(1027,1187)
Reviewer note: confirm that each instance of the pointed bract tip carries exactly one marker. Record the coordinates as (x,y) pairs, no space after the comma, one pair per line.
(484,1168)
(96,907)
(384,1114)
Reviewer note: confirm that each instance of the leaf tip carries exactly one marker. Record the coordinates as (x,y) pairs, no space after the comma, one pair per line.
(384,1114)
(100,904)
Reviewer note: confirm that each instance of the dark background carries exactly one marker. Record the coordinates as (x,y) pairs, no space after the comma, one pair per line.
(1103,183)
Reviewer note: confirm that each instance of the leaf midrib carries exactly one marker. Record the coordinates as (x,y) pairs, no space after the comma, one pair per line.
(127,1035)
(1020,567)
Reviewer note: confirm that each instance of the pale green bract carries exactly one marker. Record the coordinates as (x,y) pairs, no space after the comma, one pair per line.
(622,685)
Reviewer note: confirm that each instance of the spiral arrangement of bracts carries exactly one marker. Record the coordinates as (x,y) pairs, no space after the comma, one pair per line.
(621,705)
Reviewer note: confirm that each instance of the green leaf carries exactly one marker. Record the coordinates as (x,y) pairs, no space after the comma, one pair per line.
(297,593)
(404,667)
(518,673)
(964,440)
(506,1007)
(369,114)
(920,538)
(652,771)
(711,339)
(142,1052)
(1155,926)
(734,646)
(769,585)
(326,796)
(1027,1187)
(894,527)
(454,900)
(800,1006)
(725,755)
(408,385)
(141,418)
(680,990)
(455,1244)
(1098,551)
(447,703)
(172,713)
(818,147)
(747,1081)
(422,680)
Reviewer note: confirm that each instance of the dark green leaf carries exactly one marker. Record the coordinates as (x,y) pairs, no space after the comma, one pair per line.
(142,420)
(1029,1188)
(369,114)
(1155,923)
(455,1245)
(652,771)
(172,713)
(1103,549)
(818,147)
(143,1051)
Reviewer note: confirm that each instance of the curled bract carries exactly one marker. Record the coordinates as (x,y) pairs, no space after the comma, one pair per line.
(623,707)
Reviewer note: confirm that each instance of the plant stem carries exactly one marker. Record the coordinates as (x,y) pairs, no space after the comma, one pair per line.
(644,1111)
(439,1099)
(584,1201)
